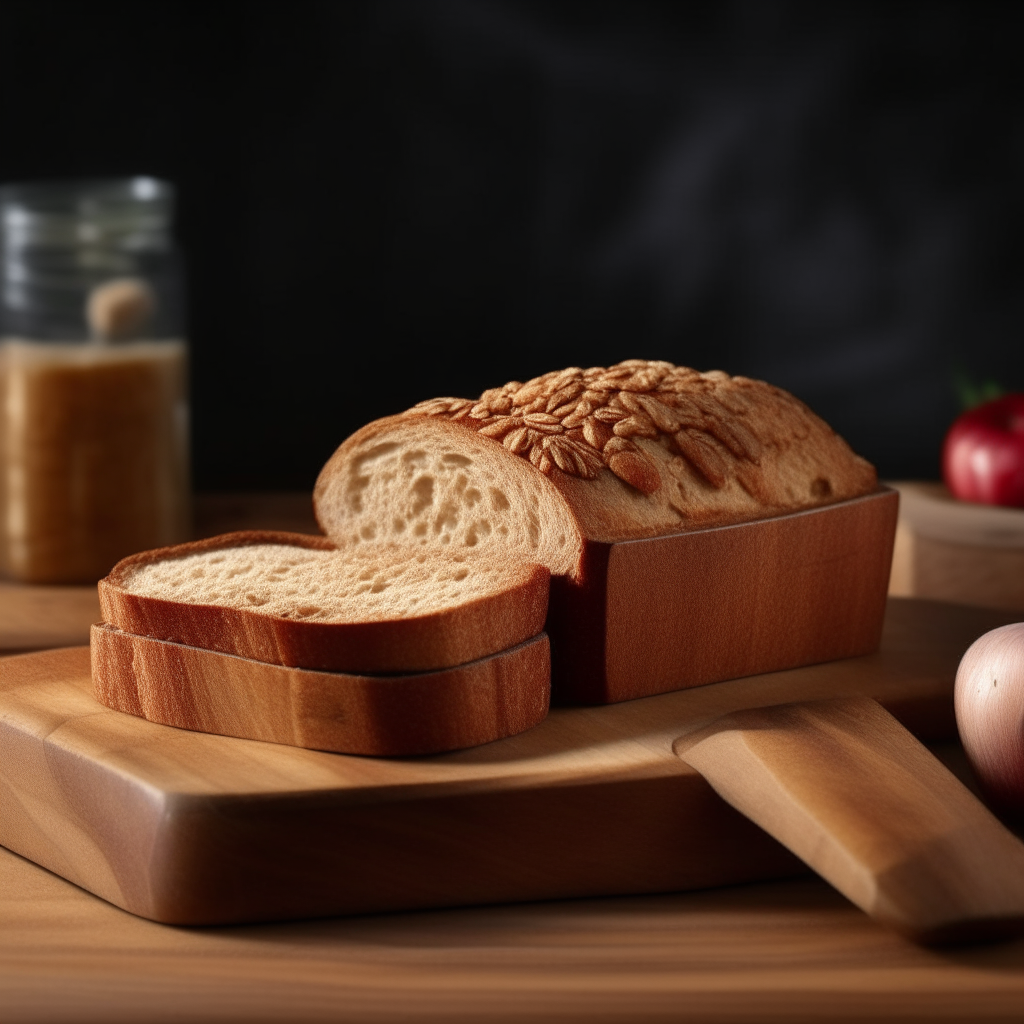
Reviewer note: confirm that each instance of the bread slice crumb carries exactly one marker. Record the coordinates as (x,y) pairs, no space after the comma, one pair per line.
(291,582)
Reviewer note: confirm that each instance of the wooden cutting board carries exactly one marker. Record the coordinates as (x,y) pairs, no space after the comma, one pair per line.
(191,828)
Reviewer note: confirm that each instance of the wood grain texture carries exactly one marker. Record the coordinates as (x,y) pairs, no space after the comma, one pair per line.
(844,786)
(791,951)
(952,550)
(463,632)
(190,828)
(393,715)
(648,616)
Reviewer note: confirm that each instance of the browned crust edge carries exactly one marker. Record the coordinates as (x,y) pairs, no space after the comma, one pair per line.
(583,422)
(422,643)
(425,713)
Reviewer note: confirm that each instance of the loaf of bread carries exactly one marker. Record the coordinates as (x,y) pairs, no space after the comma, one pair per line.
(532,471)
(660,499)
(296,600)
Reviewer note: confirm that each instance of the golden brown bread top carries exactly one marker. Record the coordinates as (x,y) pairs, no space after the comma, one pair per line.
(533,471)
(641,418)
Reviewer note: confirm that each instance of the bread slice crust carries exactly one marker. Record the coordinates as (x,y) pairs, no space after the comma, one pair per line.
(348,713)
(442,638)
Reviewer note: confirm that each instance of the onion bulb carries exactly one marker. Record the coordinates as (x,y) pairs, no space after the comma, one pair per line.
(989,702)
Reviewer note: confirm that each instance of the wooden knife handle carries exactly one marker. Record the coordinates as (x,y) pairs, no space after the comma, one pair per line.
(845,787)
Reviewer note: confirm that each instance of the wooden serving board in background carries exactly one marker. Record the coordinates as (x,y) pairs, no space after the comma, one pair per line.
(949,550)
(190,828)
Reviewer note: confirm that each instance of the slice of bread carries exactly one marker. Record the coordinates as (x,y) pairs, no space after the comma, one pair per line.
(297,600)
(534,471)
(349,713)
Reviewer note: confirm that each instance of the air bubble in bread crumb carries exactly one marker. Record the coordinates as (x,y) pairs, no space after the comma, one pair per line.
(447,518)
(306,610)
(423,494)
(416,457)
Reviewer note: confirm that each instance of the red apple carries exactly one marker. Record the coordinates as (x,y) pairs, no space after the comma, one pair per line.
(983,457)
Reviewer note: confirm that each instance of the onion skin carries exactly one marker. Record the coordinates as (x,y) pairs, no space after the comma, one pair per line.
(989,704)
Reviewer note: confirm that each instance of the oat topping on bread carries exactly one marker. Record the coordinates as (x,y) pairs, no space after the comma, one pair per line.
(533,470)
(582,421)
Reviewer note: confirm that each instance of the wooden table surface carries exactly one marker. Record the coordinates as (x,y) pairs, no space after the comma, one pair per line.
(792,951)
(787,951)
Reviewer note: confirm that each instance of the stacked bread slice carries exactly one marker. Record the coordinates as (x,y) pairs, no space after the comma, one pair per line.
(286,637)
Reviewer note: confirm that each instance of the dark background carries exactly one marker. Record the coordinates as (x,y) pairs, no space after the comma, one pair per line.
(382,201)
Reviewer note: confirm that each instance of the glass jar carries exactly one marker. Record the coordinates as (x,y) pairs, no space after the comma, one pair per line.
(93,377)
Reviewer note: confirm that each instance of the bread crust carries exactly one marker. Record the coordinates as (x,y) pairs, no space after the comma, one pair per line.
(428,642)
(349,713)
